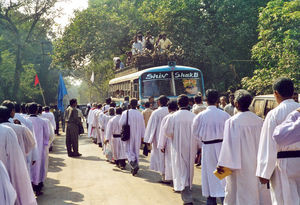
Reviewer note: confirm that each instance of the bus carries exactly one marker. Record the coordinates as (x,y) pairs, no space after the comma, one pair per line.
(169,80)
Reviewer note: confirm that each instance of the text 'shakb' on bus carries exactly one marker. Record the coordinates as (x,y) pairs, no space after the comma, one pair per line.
(156,81)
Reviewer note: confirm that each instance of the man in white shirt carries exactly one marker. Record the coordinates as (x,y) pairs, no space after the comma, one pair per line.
(208,128)
(198,107)
(229,108)
(280,165)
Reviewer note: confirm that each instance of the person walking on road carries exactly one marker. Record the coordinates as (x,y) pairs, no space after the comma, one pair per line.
(73,124)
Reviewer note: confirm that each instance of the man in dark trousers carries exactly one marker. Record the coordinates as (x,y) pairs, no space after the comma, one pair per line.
(73,124)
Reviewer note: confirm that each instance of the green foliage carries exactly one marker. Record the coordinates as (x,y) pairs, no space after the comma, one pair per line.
(215,35)
(278,48)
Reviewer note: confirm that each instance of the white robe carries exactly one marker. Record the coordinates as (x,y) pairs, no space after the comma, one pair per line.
(239,153)
(90,120)
(41,133)
(8,194)
(137,131)
(207,126)
(13,159)
(164,142)
(24,121)
(25,137)
(117,145)
(97,130)
(157,160)
(183,148)
(50,116)
(284,174)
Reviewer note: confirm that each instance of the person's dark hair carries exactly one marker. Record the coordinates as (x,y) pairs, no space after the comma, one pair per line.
(119,111)
(32,108)
(73,101)
(198,99)
(163,100)
(183,100)
(23,108)
(172,105)
(212,96)
(40,109)
(191,99)
(147,105)
(9,104)
(27,108)
(17,107)
(4,114)
(47,109)
(244,99)
(99,106)
(112,104)
(126,98)
(133,103)
(284,86)
(108,101)
(111,111)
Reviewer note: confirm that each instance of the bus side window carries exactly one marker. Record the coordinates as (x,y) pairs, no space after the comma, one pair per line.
(259,106)
(270,104)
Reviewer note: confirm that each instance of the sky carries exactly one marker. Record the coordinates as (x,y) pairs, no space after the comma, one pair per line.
(68,7)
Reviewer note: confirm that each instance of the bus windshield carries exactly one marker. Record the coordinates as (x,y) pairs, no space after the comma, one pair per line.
(162,83)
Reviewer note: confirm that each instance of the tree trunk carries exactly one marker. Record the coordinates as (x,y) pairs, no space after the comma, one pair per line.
(17,75)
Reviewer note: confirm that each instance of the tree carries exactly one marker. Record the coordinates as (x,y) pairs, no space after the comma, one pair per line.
(23,21)
(278,48)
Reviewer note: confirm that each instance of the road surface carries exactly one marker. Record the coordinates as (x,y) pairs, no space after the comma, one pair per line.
(90,180)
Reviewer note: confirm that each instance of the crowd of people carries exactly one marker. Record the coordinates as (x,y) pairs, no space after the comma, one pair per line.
(144,44)
(257,159)
(230,137)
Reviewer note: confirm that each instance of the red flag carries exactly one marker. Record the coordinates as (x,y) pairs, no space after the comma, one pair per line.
(36,81)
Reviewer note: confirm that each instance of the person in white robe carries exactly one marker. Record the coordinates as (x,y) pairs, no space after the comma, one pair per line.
(198,106)
(21,117)
(90,120)
(157,160)
(137,131)
(50,116)
(239,153)
(280,165)
(96,125)
(13,159)
(164,142)
(288,132)
(103,121)
(8,194)
(183,148)
(41,133)
(112,135)
(208,128)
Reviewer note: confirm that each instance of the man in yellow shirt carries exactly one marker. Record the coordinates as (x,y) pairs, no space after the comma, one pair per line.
(164,43)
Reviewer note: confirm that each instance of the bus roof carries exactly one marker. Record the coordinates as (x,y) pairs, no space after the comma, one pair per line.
(136,75)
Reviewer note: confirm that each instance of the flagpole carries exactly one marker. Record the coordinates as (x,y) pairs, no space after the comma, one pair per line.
(42,94)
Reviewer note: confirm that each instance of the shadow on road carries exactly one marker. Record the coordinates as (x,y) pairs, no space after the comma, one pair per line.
(56,194)
(55,164)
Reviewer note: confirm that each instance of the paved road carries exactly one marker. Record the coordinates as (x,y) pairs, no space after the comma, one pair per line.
(93,181)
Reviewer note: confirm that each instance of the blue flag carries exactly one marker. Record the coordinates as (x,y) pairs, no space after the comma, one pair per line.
(62,91)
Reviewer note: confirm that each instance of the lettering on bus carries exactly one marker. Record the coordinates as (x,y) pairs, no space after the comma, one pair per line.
(185,74)
(157,76)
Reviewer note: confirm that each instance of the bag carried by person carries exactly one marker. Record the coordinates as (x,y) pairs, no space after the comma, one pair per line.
(81,129)
(125,132)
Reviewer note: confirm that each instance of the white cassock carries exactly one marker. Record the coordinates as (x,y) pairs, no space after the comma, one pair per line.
(25,138)
(23,119)
(8,194)
(137,131)
(97,126)
(284,173)
(164,142)
(13,159)
(51,139)
(117,145)
(41,133)
(157,160)
(50,117)
(103,120)
(208,126)
(239,153)
(90,120)
(183,148)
